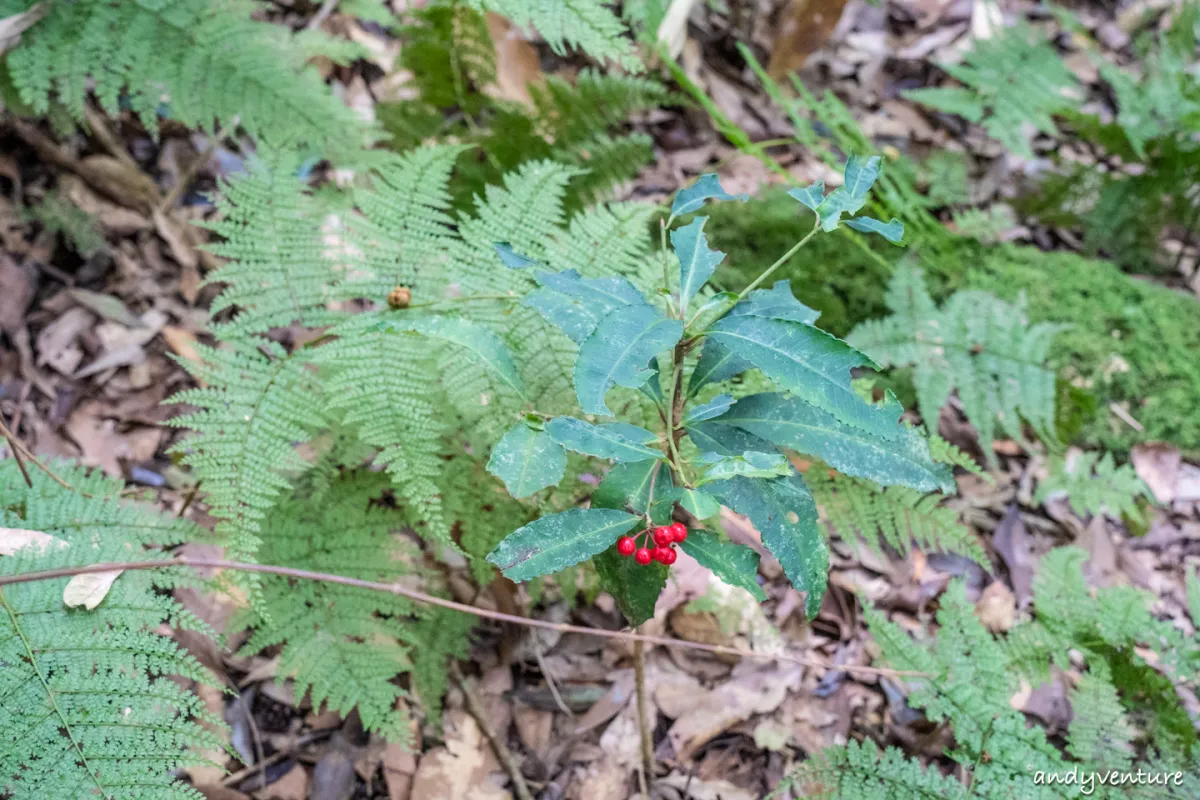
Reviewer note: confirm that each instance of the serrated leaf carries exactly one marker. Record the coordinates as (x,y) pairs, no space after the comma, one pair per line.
(485,346)
(512,259)
(627,485)
(527,460)
(575,305)
(713,437)
(713,408)
(792,423)
(778,302)
(617,351)
(635,587)
(750,464)
(783,512)
(735,564)
(716,307)
(700,505)
(717,363)
(697,261)
(560,540)
(811,196)
(892,231)
(89,590)
(852,194)
(618,441)
(708,187)
(809,363)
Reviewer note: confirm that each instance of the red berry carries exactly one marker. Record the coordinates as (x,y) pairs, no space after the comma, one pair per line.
(663,536)
(626,545)
(669,557)
(642,556)
(679,531)
(660,554)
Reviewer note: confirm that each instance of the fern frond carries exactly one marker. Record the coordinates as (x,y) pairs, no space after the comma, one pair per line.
(588,25)
(1009,81)
(90,707)
(864,772)
(573,113)
(606,162)
(484,513)
(255,404)
(975,343)
(1100,734)
(608,240)
(1093,484)
(203,63)
(944,452)
(56,214)
(897,515)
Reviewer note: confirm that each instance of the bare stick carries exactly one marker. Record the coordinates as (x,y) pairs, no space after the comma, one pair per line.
(421,597)
(639,675)
(20,449)
(503,754)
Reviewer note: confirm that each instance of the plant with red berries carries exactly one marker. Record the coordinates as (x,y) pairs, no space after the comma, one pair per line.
(681,349)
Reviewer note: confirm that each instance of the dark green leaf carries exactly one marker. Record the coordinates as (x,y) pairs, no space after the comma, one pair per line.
(892,231)
(575,305)
(619,441)
(790,422)
(811,364)
(778,302)
(616,353)
(652,388)
(811,196)
(627,485)
(700,505)
(551,543)
(697,261)
(713,408)
(634,586)
(512,259)
(783,512)
(706,188)
(527,460)
(852,194)
(485,346)
(713,437)
(717,363)
(735,564)
(750,464)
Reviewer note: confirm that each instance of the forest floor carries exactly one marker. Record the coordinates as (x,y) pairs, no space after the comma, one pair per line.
(96,340)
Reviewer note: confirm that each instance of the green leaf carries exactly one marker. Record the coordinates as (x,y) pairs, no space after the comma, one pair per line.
(616,353)
(708,187)
(697,261)
(635,587)
(628,485)
(811,364)
(750,464)
(964,102)
(575,305)
(512,259)
(811,196)
(892,231)
(783,512)
(735,564)
(716,307)
(619,441)
(700,505)
(852,194)
(560,540)
(486,346)
(790,422)
(713,437)
(713,408)
(652,388)
(778,302)
(527,460)
(717,363)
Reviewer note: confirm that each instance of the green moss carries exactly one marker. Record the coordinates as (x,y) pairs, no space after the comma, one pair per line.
(1132,342)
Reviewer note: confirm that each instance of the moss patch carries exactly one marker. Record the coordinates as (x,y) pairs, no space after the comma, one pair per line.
(1131,342)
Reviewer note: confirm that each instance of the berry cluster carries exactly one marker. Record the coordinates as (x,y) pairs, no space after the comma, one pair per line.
(664,537)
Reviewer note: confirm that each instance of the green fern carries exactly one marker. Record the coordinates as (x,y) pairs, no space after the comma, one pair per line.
(864,772)
(1094,484)
(91,705)
(201,62)
(58,215)
(586,24)
(1009,81)
(975,343)
(898,516)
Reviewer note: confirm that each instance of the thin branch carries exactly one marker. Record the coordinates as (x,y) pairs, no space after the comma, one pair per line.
(503,754)
(20,449)
(421,597)
(639,675)
(782,260)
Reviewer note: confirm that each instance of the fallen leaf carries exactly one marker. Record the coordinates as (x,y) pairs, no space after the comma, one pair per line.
(399,767)
(333,777)
(13,539)
(1157,464)
(803,29)
(13,26)
(89,590)
(460,768)
(517,62)
(1011,541)
(17,294)
(172,232)
(997,607)
(292,786)
(535,729)
(57,343)
(698,789)
(107,306)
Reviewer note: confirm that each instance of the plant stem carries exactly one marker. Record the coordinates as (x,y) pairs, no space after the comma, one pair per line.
(639,674)
(666,262)
(674,410)
(767,272)
(422,597)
